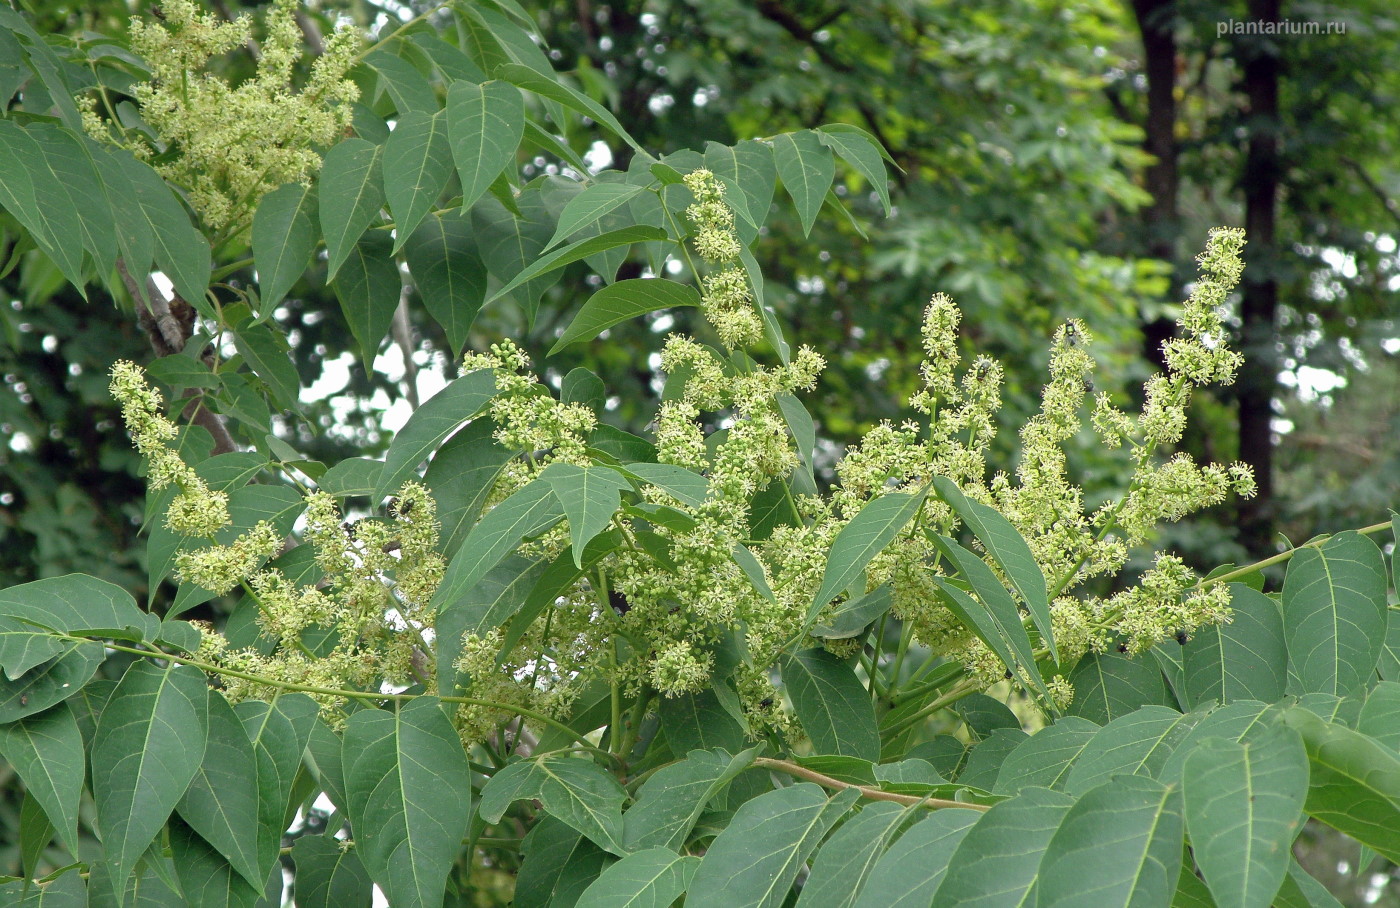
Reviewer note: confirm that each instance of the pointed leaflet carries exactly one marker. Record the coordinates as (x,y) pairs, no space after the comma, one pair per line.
(534,80)
(46,751)
(753,862)
(369,287)
(589,496)
(30,195)
(283,240)
(484,126)
(417,165)
(612,239)
(149,743)
(806,168)
(908,875)
(840,869)
(1139,742)
(860,540)
(499,595)
(669,803)
(1246,659)
(1109,685)
(1119,845)
(1334,615)
(999,860)
(699,721)
(1354,783)
(52,682)
(405,85)
(64,162)
(1244,805)
(278,732)
(572,789)
(207,880)
(559,864)
(618,302)
(1008,550)
(217,804)
(589,206)
(435,419)
(461,476)
(859,149)
(1045,757)
(648,879)
(408,788)
(833,706)
(509,243)
(74,603)
(329,876)
(181,251)
(264,348)
(448,272)
(351,196)
(527,511)
(978,619)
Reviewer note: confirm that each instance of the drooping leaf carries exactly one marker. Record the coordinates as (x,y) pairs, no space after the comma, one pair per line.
(149,743)
(509,243)
(369,287)
(417,165)
(1334,615)
(621,301)
(66,164)
(448,272)
(1246,659)
(1119,845)
(859,541)
(461,477)
(589,206)
(408,87)
(207,879)
(845,862)
(265,351)
(589,497)
(495,598)
(434,420)
(181,251)
(806,168)
(1045,758)
(32,196)
(653,878)
(670,802)
(408,787)
(328,875)
(1244,804)
(855,615)
(283,240)
(1109,685)
(857,148)
(753,862)
(999,860)
(574,790)
(351,194)
(700,722)
(1353,784)
(534,80)
(613,239)
(217,804)
(46,752)
(559,865)
(484,125)
(833,706)
(279,732)
(908,875)
(1139,742)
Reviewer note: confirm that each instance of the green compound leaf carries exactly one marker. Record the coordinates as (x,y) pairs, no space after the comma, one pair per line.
(461,477)
(265,350)
(648,879)
(52,682)
(330,876)
(484,126)
(369,287)
(833,706)
(590,206)
(1109,685)
(46,751)
(351,195)
(1138,743)
(574,790)
(283,240)
(448,272)
(435,419)
(845,862)
(613,239)
(806,168)
(1119,845)
(149,743)
(207,879)
(509,243)
(855,615)
(859,149)
(670,802)
(1244,805)
(1006,548)
(74,603)
(417,165)
(37,201)
(860,540)
(999,860)
(528,511)
(590,496)
(181,251)
(278,732)
(753,862)
(217,803)
(408,786)
(1045,758)
(1354,783)
(1334,613)
(1246,659)
(619,302)
(909,874)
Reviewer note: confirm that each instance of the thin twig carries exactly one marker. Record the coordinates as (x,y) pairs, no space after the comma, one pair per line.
(874,794)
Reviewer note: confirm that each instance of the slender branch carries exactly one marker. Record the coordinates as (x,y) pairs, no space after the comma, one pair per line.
(1281,557)
(874,794)
(1391,206)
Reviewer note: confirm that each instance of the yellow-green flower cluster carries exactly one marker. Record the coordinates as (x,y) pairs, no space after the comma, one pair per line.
(727,299)
(196,510)
(220,568)
(229,145)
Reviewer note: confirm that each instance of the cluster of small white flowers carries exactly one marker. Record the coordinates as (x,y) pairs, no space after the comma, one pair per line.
(231,144)
(727,299)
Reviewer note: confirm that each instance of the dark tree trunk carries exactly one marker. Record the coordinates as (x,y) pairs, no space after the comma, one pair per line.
(1259,376)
